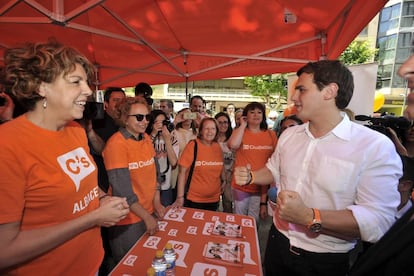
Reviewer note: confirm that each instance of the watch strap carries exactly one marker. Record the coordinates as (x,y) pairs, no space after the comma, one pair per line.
(316,218)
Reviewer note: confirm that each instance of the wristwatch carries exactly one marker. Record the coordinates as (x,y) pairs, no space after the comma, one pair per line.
(315,225)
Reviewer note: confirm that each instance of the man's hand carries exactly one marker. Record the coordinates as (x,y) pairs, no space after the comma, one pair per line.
(291,208)
(242,175)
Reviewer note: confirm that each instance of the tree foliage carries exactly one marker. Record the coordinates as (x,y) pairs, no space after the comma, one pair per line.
(272,89)
(358,52)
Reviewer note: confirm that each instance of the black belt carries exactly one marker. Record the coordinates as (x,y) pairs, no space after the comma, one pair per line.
(296,250)
(299,251)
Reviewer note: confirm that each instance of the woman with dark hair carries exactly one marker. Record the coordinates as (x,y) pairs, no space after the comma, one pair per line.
(289,121)
(225,131)
(185,131)
(166,152)
(205,182)
(254,144)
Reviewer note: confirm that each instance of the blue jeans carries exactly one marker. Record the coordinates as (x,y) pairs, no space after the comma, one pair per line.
(246,204)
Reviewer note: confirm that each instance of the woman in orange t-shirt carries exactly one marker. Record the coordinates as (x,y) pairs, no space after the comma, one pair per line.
(129,158)
(205,187)
(254,144)
(51,207)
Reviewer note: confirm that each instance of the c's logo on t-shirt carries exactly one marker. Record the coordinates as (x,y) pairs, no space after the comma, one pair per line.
(77,165)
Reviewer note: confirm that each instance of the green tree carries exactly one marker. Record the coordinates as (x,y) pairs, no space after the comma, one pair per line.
(270,88)
(358,52)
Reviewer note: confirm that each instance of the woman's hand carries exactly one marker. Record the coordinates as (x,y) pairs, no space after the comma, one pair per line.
(111,211)
(159,210)
(179,202)
(166,134)
(151,224)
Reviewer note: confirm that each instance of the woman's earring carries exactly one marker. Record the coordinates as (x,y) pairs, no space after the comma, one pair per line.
(44,103)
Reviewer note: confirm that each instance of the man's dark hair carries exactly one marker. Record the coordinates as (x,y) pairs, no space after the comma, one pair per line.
(331,71)
(170,103)
(145,90)
(109,90)
(197,97)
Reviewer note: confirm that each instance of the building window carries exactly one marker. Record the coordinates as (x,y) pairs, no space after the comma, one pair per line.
(408,9)
(389,19)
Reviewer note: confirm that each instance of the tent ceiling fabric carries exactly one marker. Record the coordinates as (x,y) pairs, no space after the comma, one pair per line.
(171,41)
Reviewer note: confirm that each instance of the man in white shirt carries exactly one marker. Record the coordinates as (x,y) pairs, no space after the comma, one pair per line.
(337,180)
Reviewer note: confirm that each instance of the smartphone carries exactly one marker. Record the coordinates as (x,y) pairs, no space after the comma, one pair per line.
(190,116)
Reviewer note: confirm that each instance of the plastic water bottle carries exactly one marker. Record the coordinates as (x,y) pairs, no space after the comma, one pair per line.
(151,271)
(170,257)
(159,264)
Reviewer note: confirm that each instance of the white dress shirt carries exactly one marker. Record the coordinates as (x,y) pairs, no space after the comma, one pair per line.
(352,167)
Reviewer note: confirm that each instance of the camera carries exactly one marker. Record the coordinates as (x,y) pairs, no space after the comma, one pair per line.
(94,107)
(93,111)
(170,126)
(190,116)
(380,124)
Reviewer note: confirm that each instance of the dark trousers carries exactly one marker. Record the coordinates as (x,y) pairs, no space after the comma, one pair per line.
(213,206)
(282,259)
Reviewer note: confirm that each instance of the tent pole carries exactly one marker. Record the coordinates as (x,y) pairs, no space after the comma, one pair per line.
(186,88)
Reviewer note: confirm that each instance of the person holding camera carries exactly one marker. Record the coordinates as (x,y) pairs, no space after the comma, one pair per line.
(198,109)
(165,144)
(392,254)
(51,207)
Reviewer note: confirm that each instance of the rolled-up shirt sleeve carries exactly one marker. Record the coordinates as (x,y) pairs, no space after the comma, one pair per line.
(377,195)
(120,180)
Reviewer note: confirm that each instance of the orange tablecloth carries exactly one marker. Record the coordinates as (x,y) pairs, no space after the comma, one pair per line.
(189,230)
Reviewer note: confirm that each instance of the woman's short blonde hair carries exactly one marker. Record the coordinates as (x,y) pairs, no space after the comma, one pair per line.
(124,107)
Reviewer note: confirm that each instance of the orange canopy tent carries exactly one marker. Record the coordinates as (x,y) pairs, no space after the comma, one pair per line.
(167,41)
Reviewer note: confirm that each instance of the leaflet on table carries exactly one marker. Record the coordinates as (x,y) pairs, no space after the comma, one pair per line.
(223,253)
(227,229)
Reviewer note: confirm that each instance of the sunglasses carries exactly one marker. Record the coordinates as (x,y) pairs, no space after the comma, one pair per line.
(141,117)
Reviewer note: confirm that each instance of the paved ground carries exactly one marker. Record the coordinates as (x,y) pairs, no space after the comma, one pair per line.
(263,232)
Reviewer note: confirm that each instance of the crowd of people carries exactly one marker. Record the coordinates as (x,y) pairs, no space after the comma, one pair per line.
(81,191)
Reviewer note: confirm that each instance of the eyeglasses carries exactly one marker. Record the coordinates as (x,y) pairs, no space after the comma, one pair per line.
(141,117)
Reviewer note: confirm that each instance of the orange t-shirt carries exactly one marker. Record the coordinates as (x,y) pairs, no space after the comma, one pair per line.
(206,180)
(48,178)
(138,157)
(254,149)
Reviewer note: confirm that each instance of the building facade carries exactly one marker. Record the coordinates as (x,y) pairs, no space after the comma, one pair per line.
(394,43)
